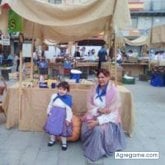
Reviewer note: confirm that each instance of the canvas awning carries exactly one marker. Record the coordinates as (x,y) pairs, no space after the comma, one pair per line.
(140,41)
(157,36)
(65,23)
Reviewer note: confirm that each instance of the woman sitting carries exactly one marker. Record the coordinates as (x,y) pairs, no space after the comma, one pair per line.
(102,133)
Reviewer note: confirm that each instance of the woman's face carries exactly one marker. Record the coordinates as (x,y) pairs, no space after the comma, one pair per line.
(102,79)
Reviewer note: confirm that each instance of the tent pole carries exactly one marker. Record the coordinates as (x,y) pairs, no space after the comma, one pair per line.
(115,58)
(70,44)
(21,40)
(20,86)
(31,61)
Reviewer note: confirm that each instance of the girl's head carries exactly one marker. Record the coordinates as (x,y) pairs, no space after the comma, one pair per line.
(63,88)
(103,76)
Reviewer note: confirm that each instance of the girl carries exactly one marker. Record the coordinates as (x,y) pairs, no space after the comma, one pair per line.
(59,115)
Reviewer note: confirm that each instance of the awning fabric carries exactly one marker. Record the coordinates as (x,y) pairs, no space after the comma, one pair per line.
(140,41)
(157,36)
(70,22)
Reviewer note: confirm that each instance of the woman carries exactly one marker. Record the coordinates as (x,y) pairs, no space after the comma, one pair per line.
(102,133)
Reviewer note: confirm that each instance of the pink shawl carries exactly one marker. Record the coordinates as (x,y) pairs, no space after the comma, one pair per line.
(112,97)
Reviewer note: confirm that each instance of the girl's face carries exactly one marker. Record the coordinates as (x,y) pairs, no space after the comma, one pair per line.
(62,91)
(102,79)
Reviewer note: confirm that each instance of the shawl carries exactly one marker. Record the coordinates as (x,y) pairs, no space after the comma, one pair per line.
(112,99)
(67,99)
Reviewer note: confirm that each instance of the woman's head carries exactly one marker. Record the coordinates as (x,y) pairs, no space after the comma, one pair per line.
(103,76)
(63,87)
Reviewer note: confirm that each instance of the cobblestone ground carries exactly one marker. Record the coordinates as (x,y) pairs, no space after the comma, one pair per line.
(30,148)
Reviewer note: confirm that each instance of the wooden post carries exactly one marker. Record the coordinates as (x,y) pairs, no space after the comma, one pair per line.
(20,86)
(70,44)
(21,39)
(115,58)
(31,61)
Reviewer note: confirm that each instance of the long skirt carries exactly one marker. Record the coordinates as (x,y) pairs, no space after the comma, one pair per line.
(56,124)
(103,140)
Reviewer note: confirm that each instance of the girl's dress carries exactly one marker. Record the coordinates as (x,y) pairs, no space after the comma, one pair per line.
(59,110)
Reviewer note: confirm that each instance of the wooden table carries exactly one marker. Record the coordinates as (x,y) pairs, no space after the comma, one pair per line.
(135,69)
(86,67)
(35,101)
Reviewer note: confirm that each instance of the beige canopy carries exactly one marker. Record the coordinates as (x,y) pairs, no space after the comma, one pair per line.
(71,22)
(140,41)
(157,36)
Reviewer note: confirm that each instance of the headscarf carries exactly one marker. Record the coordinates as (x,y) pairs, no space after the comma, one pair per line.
(101,91)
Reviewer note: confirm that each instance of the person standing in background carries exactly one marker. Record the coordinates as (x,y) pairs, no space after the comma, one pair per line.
(17,62)
(43,66)
(119,57)
(1,58)
(83,51)
(77,52)
(102,55)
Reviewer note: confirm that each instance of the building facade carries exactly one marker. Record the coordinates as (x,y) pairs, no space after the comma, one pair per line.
(144,13)
(147,13)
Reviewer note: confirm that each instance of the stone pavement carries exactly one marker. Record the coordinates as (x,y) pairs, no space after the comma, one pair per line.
(30,148)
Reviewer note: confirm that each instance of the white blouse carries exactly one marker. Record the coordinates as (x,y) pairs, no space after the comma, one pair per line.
(103,118)
(59,103)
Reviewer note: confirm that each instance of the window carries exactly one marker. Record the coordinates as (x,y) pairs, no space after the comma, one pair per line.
(134,22)
(144,22)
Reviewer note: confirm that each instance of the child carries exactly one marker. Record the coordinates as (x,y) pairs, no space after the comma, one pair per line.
(59,115)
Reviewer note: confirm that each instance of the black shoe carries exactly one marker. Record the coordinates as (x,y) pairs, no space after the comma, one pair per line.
(51,143)
(64,147)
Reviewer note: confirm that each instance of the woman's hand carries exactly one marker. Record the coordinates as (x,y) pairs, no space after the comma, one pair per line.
(92,123)
(103,111)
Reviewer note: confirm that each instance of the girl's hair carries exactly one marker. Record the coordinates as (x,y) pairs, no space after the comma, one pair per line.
(64,85)
(105,72)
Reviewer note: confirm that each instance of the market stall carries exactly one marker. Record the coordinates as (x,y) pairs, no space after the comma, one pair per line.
(63,23)
(157,65)
(136,64)
(35,101)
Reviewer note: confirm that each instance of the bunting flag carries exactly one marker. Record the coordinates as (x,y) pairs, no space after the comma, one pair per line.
(15,22)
